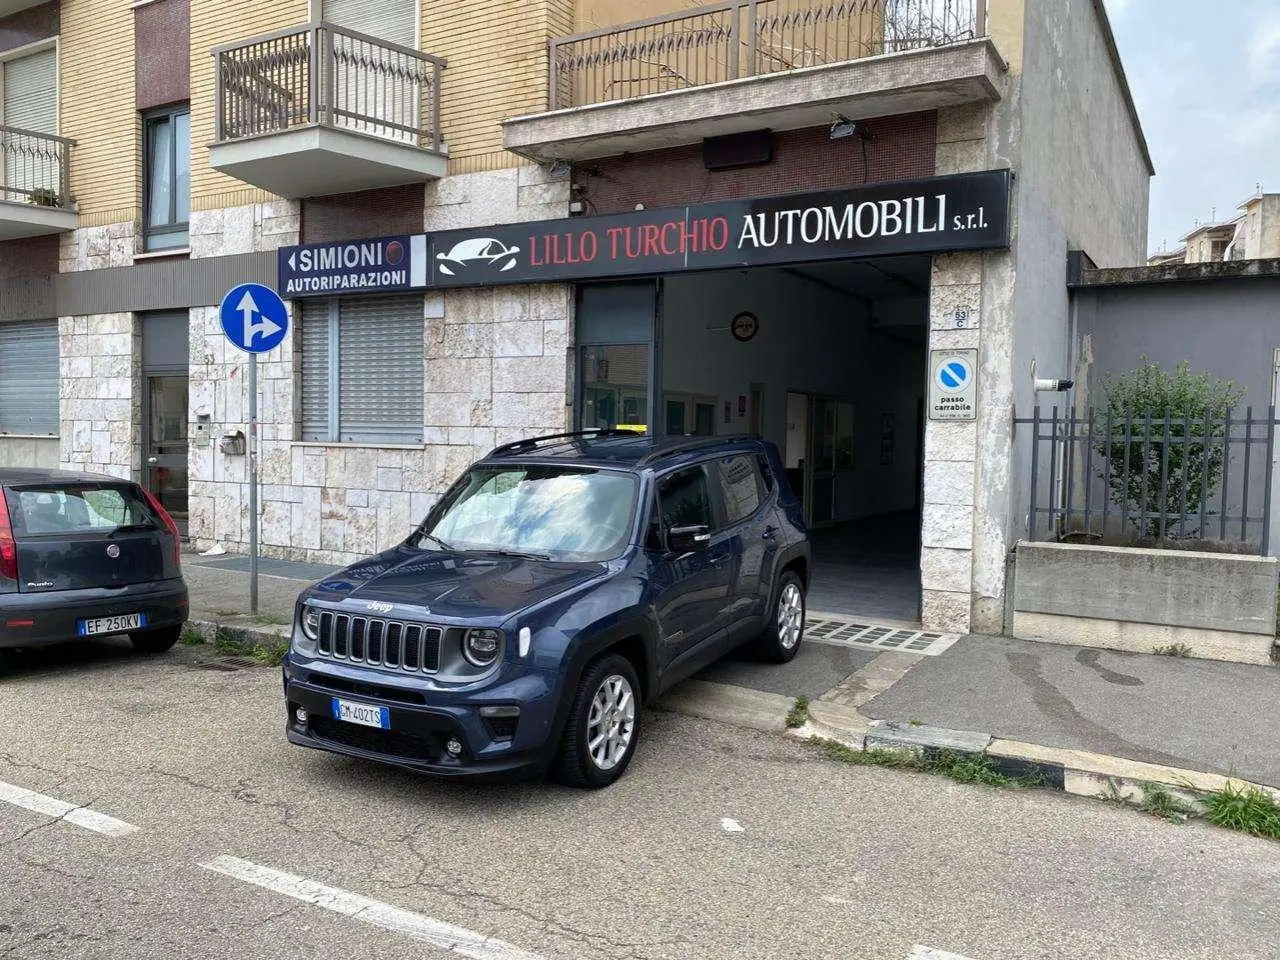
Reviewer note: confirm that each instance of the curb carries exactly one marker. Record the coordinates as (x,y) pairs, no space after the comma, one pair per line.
(1077,772)
(261,636)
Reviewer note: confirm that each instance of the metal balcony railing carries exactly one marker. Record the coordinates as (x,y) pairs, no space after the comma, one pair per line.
(35,168)
(715,42)
(324,75)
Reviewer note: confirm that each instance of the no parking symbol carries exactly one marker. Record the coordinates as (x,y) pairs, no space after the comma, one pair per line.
(953,385)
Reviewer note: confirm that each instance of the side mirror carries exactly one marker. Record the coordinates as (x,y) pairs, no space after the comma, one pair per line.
(689,539)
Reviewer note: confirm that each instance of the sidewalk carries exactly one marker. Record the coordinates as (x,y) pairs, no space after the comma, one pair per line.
(1009,697)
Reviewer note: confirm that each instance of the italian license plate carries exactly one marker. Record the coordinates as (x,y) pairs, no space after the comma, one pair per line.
(365,714)
(121,624)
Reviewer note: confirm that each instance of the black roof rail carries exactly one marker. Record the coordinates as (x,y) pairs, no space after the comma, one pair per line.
(692,443)
(530,443)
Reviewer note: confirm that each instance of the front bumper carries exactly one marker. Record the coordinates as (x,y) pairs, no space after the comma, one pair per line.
(424,717)
(42,619)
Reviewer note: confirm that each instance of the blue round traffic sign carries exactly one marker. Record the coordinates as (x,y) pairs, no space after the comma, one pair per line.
(954,373)
(254,318)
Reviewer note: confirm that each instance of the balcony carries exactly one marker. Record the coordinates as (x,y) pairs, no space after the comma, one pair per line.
(319,110)
(35,184)
(743,65)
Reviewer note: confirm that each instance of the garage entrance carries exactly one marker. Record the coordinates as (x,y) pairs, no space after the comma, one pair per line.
(826,360)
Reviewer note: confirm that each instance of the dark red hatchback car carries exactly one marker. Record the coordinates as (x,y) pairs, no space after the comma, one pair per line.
(85,556)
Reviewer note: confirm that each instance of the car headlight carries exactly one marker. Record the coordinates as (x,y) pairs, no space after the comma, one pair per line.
(481,647)
(310,623)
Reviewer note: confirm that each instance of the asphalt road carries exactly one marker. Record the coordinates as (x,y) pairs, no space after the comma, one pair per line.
(719,843)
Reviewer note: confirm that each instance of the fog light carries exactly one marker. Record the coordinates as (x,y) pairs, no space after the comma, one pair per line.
(301,716)
(454,747)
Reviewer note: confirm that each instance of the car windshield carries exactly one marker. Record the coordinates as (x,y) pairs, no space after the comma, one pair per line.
(37,511)
(562,513)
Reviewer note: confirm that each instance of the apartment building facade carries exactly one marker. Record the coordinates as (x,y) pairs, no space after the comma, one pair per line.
(843,225)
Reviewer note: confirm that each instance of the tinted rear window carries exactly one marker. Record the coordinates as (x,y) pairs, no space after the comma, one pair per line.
(79,508)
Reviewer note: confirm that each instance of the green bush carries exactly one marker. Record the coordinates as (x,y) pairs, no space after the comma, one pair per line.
(1177,442)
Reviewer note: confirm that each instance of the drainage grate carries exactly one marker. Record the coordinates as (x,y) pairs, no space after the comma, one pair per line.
(229,664)
(826,628)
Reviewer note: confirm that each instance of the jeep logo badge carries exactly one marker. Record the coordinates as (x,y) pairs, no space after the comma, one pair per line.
(113,551)
(377,607)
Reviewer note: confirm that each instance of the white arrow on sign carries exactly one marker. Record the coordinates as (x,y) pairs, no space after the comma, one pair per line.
(293,261)
(267,327)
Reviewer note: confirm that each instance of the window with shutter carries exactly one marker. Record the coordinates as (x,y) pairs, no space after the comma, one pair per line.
(29,377)
(391,20)
(30,103)
(367,350)
(315,372)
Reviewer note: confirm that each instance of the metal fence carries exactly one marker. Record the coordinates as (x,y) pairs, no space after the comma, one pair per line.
(35,168)
(1109,475)
(740,38)
(325,75)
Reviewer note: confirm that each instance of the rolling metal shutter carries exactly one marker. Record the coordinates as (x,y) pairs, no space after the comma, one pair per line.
(30,103)
(315,371)
(31,92)
(29,377)
(375,363)
(380,372)
(391,20)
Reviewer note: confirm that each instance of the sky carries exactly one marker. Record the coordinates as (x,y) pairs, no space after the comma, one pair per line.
(1205,75)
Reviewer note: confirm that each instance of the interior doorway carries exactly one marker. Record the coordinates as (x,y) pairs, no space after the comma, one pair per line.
(165,404)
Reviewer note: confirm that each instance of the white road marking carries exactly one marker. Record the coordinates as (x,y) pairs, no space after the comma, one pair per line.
(928,953)
(61,810)
(731,826)
(436,932)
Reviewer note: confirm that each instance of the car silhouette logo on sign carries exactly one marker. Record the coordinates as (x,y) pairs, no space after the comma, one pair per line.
(484,251)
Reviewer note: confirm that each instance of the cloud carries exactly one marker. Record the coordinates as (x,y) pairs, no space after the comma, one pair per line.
(1262,62)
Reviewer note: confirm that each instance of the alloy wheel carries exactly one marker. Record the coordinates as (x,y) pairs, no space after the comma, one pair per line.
(790,616)
(612,722)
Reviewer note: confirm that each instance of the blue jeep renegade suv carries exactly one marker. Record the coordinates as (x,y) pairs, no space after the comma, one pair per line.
(559,584)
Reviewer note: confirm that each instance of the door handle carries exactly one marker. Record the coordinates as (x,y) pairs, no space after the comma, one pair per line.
(718,559)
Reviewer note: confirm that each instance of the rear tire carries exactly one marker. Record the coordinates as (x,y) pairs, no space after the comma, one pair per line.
(152,642)
(603,727)
(784,632)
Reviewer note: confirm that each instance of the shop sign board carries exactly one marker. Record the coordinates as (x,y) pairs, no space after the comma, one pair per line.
(939,214)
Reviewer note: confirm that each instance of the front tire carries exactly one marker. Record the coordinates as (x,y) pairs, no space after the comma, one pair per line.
(603,727)
(152,642)
(781,639)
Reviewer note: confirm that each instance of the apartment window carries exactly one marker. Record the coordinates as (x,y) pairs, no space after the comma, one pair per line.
(29,101)
(29,377)
(166,175)
(362,370)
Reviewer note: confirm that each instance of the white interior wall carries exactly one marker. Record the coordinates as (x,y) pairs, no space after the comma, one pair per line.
(811,339)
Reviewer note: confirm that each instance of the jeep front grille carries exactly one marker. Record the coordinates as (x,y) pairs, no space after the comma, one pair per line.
(394,644)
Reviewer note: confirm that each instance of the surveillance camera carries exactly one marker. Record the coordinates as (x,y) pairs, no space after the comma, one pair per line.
(1053,386)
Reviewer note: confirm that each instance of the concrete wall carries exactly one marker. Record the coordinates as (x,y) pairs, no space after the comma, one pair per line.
(1083,183)
(1227,328)
(1223,607)
(811,339)
(29,452)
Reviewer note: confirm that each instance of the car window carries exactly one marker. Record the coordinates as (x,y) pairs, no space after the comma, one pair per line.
(766,473)
(739,487)
(76,509)
(568,513)
(684,498)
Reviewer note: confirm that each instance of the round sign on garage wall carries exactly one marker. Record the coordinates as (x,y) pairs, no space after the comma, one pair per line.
(953,385)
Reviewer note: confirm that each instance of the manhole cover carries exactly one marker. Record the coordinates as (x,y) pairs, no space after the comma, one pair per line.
(844,632)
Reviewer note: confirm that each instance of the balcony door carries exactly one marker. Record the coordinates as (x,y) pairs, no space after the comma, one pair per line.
(30,104)
(376,90)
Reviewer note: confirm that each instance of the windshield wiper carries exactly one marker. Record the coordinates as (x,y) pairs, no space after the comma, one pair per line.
(135,527)
(517,554)
(442,544)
